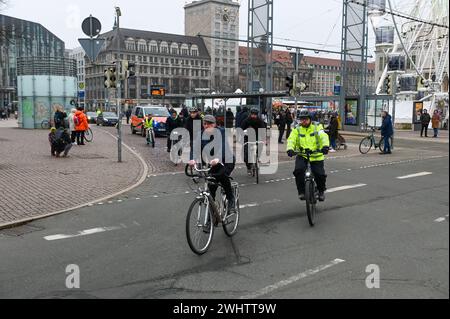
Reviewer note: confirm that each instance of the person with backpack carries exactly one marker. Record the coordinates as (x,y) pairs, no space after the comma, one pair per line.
(81,125)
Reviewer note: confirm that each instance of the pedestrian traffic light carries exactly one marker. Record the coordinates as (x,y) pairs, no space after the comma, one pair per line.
(110,78)
(289,84)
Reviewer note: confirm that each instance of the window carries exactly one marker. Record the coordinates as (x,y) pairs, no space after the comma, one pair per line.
(217,25)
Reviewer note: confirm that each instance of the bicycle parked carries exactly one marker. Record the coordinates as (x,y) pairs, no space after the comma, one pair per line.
(369,141)
(205,212)
(311,191)
(47,124)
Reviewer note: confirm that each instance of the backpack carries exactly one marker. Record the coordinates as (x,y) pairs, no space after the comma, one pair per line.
(76,120)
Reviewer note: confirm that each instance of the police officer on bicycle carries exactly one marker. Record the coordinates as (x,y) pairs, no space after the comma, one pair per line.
(309,135)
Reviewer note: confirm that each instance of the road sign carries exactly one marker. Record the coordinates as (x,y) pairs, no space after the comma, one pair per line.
(337,90)
(92,47)
(91,27)
(81,86)
(81,94)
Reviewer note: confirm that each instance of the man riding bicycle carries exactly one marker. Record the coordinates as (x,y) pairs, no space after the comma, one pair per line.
(220,169)
(310,136)
(256,123)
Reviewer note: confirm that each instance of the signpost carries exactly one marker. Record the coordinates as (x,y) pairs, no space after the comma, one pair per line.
(92,27)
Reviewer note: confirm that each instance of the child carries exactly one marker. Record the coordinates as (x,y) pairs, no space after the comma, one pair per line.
(52,140)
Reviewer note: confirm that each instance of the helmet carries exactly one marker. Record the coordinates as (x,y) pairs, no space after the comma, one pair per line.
(304,114)
(254,111)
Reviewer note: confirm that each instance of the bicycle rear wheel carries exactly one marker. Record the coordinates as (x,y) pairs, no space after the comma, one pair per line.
(88,135)
(231,221)
(365,145)
(45,124)
(381,146)
(310,196)
(199,227)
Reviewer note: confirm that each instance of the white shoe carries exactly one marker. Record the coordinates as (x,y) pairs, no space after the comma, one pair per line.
(332,151)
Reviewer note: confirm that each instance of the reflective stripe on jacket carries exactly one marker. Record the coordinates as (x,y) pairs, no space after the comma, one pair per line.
(313,138)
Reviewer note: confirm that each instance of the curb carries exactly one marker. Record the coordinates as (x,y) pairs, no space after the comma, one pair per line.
(441,140)
(141,180)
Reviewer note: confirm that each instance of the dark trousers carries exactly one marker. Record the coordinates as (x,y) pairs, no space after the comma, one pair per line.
(222,175)
(424,128)
(318,169)
(282,129)
(387,144)
(128,120)
(80,137)
(73,136)
(435,130)
(288,131)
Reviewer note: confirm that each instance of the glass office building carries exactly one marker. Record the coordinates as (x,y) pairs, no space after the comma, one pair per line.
(22,39)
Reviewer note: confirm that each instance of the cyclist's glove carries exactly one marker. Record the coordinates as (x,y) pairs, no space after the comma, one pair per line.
(325,150)
(290,153)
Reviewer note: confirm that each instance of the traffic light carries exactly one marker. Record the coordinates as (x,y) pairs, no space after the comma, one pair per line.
(110,78)
(289,84)
(388,85)
(128,69)
(422,84)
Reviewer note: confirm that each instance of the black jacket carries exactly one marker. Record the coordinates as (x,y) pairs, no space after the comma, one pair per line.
(172,124)
(425,119)
(190,127)
(333,128)
(256,124)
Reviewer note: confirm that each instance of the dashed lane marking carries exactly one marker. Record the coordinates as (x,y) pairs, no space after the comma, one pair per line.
(415,175)
(343,188)
(83,233)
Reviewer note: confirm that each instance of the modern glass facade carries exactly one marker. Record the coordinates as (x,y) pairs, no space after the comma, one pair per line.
(22,39)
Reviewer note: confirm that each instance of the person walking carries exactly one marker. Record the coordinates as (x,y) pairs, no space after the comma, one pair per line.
(128,115)
(425,120)
(281,126)
(436,122)
(333,131)
(289,121)
(387,131)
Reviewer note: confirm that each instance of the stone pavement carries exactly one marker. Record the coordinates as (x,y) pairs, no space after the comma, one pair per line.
(409,135)
(35,185)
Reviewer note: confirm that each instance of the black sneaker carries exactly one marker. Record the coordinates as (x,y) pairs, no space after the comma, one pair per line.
(301,196)
(321,196)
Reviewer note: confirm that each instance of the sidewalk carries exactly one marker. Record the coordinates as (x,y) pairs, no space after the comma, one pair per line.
(35,185)
(409,135)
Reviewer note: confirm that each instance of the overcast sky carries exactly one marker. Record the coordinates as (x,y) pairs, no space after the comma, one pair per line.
(306,23)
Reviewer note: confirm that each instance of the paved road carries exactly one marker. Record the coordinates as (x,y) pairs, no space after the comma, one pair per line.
(134,246)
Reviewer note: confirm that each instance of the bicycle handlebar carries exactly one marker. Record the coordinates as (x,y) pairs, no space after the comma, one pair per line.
(307,152)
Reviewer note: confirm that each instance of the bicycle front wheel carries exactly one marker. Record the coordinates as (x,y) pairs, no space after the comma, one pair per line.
(231,221)
(310,196)
(199,227)
(365,145)
(88,135)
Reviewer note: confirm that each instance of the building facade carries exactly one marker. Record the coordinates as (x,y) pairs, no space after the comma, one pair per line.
(320,74)
(22,39)
(217,18)
(78,55)
(180,63)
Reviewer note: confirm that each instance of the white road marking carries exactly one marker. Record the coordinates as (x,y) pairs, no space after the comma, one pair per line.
(273,201)
(82,233)
(440,220)
(415,175)
(291,280)
(343,188)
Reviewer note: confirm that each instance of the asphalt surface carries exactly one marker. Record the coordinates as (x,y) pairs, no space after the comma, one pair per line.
(135,246)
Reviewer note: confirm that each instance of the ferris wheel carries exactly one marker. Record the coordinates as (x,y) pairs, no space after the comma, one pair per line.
(413,35)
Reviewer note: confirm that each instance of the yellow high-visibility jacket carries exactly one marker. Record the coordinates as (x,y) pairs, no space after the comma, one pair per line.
(313,138)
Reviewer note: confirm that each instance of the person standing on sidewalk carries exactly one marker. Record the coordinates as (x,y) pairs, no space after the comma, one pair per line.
(289,121)
(425,119)
(436,122)
(81,125)
(333,131)
(128,115)
(387,131)
(73,132)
